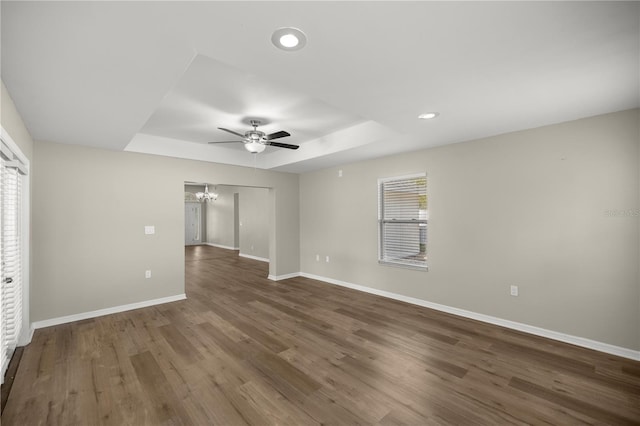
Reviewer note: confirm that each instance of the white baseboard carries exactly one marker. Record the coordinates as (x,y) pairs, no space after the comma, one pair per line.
(284,277)
(550,334)
(106,311)
(221,246)
(248,256)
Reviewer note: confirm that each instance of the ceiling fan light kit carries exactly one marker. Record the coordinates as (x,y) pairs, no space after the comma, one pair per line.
(256,141)
(254,147)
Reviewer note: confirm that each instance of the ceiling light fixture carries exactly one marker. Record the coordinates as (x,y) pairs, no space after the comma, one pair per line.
(289,39)
(254,147)
(206,195)
(428,115)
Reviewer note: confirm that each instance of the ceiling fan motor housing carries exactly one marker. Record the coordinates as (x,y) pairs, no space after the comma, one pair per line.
(255,136)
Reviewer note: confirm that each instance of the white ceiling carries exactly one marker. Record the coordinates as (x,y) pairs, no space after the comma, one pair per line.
(160,77)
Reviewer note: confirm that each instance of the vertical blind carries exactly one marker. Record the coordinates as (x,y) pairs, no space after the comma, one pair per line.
(10,257)
(402,220)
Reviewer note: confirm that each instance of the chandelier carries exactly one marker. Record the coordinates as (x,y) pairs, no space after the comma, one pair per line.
(206,195)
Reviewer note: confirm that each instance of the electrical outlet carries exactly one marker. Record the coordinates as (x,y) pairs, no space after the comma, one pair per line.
(339,173)
(317,258)
(326,259)
(147,273)
(514,290)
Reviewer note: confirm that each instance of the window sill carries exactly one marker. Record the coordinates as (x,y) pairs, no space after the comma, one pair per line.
(424,268)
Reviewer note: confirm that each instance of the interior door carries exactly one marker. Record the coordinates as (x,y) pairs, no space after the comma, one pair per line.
(192,224)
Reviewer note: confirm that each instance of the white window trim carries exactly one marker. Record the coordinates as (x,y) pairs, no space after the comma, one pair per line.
(18,155)
(387,263)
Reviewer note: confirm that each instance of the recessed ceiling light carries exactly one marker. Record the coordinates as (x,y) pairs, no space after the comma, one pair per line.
(288,39)
(428,115)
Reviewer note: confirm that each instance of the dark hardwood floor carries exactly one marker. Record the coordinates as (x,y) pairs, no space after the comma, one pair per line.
(245,350)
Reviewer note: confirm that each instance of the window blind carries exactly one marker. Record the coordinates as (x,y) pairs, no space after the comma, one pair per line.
(10,259)
(402,219)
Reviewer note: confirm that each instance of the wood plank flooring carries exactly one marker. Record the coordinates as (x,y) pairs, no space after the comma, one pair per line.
(245,350)
(9,376)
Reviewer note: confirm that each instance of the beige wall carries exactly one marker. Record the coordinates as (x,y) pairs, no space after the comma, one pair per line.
(254,221)
(220,218)
(90,207)
(525,208)
(13,124)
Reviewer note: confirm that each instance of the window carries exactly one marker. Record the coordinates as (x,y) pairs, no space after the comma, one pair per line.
(12,259)
(402,221)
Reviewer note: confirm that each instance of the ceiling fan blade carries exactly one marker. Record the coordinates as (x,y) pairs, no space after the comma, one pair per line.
(226,142)
(276,135)
(232,132)
(283,145)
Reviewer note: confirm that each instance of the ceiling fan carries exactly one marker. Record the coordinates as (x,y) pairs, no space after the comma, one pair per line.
(256,141)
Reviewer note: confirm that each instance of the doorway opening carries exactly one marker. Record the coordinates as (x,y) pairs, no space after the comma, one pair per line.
(238,219)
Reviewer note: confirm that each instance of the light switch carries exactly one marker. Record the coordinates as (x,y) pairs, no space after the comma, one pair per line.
(149,230)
